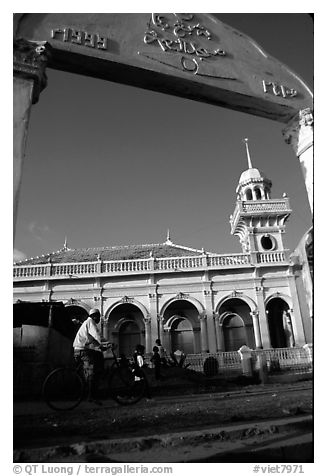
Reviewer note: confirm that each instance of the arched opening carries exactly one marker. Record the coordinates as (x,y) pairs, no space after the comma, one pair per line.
(125,328)
(237,324)
(267,193)
(248,194)
(182,335)
(280,327)
(181,327)
(129,337)
(257,193)
(234,332)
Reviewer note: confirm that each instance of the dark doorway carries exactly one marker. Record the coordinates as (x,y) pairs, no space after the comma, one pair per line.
(129,337)
(275,310)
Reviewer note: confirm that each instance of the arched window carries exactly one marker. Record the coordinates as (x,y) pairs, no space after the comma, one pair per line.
(234,332)
(248,194)
(257,193)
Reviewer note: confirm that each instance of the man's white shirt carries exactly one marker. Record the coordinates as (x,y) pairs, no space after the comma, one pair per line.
(87,333)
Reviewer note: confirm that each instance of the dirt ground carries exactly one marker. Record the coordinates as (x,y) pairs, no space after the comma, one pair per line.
(160,415)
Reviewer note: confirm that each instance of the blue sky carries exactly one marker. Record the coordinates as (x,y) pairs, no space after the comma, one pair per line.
(108,164)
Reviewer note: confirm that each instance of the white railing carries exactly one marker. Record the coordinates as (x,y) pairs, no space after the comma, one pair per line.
(74,270)
(126,266)
(227,362)
(271,257)
(31,271)
(229,260)
(265,206)
(294,359)
(187,262)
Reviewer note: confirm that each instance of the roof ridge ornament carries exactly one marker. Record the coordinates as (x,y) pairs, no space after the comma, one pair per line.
(168,240)
(245,140)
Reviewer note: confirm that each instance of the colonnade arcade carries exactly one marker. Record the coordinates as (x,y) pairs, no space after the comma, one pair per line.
(183,324)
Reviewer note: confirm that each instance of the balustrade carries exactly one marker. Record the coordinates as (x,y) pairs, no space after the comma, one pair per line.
(264,206)
(144,265)
(271,257)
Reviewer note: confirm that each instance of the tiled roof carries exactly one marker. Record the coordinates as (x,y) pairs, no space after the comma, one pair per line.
(113,253)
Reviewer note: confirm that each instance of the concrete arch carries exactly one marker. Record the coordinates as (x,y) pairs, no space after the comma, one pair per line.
(229,314)
(133,302)
(79,303)
(249,301)
(282,296)
(196,303)
(122,321)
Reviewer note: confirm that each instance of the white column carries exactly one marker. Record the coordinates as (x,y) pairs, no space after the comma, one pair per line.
(204,332)
(211,330)
(299,133)
(219,334)
(263,318)
(148,347)
(154,324)
(296,315)
(256,328)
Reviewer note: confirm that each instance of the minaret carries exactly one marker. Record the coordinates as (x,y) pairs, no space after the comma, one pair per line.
(258,220)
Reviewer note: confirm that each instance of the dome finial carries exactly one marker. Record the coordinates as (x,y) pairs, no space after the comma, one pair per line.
(245,140)
(65,248)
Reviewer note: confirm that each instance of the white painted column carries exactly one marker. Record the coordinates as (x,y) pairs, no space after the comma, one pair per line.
(219,334)
(211,329)
(154,324)
(299,133)
(148,346)
(204,332)
(296,316)
(256,328)
(263,318)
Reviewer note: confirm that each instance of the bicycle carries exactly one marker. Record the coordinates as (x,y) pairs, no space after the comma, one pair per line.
(65,387)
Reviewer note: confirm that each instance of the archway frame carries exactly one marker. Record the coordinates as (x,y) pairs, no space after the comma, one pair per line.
(196,303)
(133,302)
(282,296)
(78,303)
(249,301)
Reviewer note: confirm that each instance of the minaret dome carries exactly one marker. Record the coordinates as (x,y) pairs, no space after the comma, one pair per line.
(253,185)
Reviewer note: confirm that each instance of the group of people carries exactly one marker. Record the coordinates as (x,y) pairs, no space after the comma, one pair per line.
(88,348)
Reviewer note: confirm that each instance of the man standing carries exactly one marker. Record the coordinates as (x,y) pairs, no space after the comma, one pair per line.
(88,348)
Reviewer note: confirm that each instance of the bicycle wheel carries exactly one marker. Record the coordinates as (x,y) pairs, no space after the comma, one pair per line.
(63,389)
(125,387)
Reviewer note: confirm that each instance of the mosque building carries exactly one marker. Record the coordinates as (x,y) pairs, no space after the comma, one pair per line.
(193,300)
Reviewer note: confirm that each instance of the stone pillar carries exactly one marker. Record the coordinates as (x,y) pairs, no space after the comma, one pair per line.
(204,332)
(106,329)
(211,330)
(219,334)
(30,59)
(148,340)
(256,328)
(153,309)
(246,360)
(296,316)
(299,133)
(263,318)
(308,349)
(289,327)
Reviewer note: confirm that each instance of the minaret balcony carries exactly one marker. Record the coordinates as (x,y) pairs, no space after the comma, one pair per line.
(258,208)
